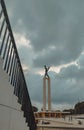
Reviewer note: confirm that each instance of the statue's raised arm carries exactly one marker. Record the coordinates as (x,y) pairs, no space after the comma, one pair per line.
(46,70)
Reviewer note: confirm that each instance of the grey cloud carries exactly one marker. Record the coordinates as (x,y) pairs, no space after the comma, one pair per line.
(35,86)
(81,61)
(46,23)
(71,72)
(58,23)
(67,90)
(62,91)
(55,57)
(65,33)
(26,55)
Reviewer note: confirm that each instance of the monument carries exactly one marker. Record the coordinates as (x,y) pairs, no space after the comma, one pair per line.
(47,113)
(46,83)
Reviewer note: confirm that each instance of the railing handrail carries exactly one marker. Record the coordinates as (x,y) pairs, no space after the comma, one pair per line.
(11,34)
(13,67)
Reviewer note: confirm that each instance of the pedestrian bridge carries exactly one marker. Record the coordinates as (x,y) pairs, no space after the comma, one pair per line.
(15,105)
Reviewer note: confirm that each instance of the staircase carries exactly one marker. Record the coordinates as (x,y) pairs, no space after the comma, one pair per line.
(16,111)
(11,116)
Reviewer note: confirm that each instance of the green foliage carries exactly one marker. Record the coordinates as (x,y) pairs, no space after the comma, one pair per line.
(79,108)
(35,109)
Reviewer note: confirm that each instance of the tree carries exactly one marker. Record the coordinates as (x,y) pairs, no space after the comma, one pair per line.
(79,108)
(35,109)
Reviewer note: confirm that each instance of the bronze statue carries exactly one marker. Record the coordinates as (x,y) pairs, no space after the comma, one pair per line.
(46,70)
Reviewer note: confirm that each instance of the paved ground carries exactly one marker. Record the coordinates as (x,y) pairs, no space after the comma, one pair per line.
(67,123)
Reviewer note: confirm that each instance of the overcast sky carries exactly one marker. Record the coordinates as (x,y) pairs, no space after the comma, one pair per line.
(50,32)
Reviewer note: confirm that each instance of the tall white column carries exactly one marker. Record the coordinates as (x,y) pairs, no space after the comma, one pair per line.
(44,94)
(49,95)
(46,83)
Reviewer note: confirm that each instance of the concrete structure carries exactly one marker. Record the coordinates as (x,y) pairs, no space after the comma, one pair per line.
(46,83)
(13,87)
(48,114)
(11,116)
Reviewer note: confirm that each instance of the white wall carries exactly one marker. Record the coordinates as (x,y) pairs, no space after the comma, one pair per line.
(11,116)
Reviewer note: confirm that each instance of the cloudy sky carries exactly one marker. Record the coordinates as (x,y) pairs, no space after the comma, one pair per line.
(50,32)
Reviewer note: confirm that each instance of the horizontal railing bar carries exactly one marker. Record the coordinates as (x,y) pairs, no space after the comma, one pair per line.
(12,38)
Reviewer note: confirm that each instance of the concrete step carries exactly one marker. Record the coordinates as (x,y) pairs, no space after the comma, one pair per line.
(11,116)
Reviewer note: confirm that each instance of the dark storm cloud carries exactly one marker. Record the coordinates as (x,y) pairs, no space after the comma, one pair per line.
(46,23)
(55,29)
(66,90)
(72,72)
(63,28)
(35,86)
(25,56)
(68,85)
(81,61)
(58,56)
